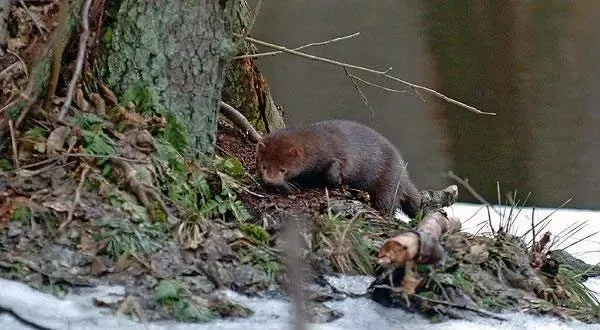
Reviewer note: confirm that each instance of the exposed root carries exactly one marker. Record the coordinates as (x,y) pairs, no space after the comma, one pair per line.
(240,121)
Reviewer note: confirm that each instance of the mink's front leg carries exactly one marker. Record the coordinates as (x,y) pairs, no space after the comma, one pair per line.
(334,173)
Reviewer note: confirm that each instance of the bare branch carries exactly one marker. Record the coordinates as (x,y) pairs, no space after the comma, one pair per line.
(80,56)
(298,48)
(360,68)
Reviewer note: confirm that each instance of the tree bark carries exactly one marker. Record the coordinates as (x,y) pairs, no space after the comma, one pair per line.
(4,12)
(177,49)
(245,87)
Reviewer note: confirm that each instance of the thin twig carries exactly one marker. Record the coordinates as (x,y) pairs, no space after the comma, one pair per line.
(35,21)
(378,86)
(320,43)
(11,127)
(522,205)
(500,207)
(76,200)
(533,225)
(79,64)
(362,95)
(490,220)
(465,183)
(474,214)
(546,218)
(570,233)
(360,68)
(65,156)
(580,240)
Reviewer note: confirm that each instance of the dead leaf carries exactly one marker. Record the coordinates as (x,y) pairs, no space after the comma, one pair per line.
(80,101)
(99,104)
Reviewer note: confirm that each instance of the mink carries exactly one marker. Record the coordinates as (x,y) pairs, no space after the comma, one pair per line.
(337,152)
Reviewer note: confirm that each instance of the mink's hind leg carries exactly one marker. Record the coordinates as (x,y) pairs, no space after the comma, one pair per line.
(402,194)
(382,202)
(409,198)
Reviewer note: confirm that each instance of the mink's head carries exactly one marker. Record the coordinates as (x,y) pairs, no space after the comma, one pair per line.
(278,159)
(392,253)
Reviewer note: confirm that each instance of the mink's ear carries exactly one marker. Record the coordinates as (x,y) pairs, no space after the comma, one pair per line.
(294,151)
(260,146)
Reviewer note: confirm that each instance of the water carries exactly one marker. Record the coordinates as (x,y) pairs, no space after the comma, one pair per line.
(534,63)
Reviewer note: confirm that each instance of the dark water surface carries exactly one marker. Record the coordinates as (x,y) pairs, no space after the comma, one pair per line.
(535,63)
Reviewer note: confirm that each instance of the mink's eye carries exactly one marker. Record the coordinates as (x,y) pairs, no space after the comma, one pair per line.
(264,167)
(282,170)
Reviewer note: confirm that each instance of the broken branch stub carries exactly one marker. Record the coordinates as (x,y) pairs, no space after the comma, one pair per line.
(422,245)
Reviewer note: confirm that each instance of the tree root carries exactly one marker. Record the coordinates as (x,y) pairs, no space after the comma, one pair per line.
(240,121)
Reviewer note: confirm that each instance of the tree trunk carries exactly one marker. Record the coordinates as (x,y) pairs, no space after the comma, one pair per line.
(176,49)
(245,87)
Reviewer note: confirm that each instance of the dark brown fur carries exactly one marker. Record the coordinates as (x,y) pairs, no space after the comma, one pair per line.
(336,152)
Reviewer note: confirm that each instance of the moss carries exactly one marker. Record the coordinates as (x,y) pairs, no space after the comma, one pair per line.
(172,295)
(5,165)
(20,214)
(256,233)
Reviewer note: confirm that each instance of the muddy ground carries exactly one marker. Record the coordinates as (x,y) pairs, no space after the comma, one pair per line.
(112,240)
